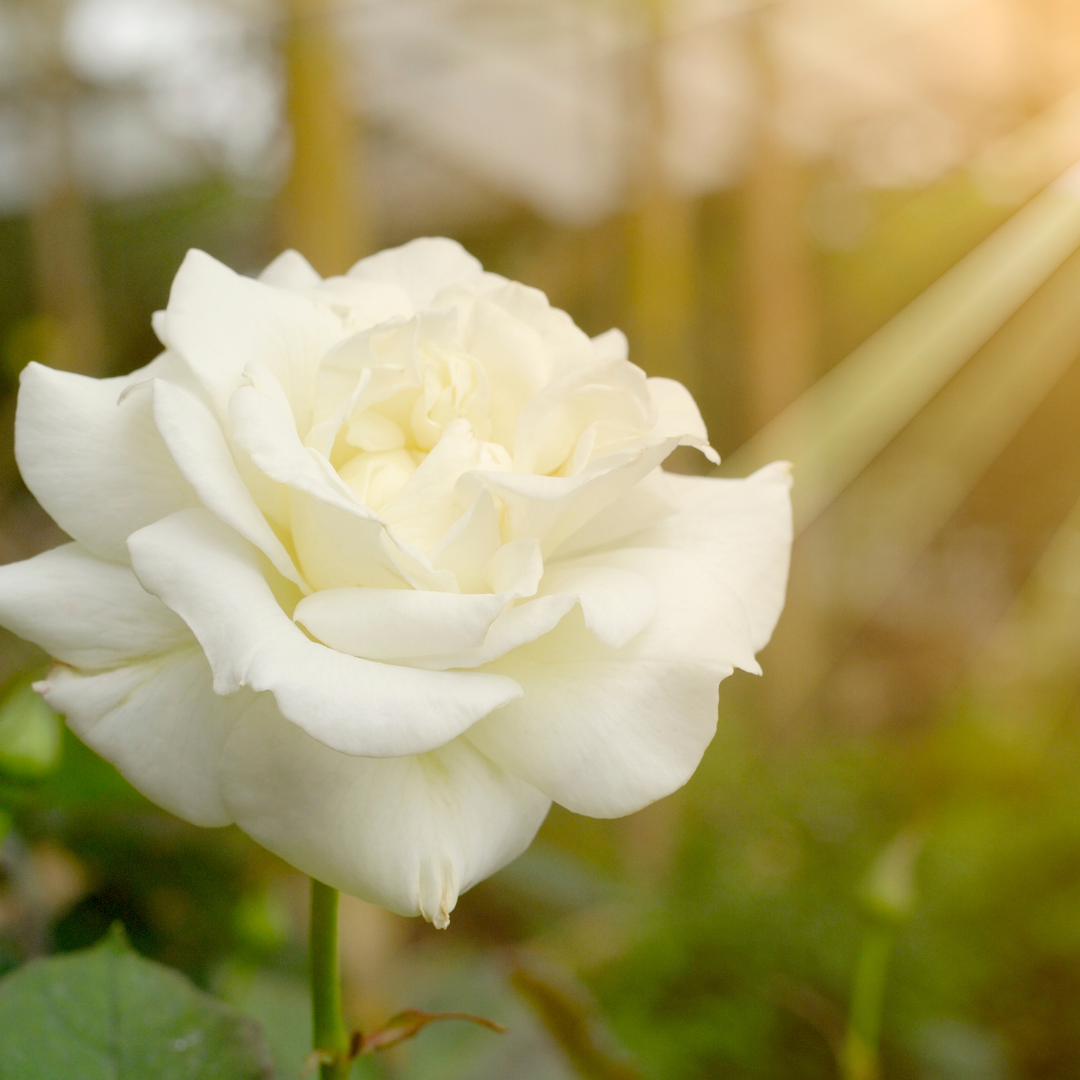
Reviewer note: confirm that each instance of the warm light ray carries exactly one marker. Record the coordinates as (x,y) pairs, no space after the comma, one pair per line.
(838,426)
(896,508)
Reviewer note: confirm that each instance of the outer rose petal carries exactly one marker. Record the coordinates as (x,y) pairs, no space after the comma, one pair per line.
(290,270)
(611,345)
(95,463)
(160,723)
(422,267)
(213,580)
(742,529)
(197,444)
(408,833)
(607,731)
(84,610)
(220,321)
(679,415)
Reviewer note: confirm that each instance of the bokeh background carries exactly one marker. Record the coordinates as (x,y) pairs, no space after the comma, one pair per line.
(849,227)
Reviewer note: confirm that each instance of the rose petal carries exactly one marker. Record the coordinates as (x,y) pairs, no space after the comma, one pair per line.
(84,610)
(290,270)
(742,530)
(552,508)
(338,542)
(606,731)
(95,463)
(212,578)
(611,345)
(679,416)
(565,346)
(517,568)
(551,424)
(515,626)
(160,723)
(428,505)
(422,267)
(388,624)
(220,321)
(362,305)
(470,545)
(197,444)
(616,605)
(407,833)
(648,502)
(514,358)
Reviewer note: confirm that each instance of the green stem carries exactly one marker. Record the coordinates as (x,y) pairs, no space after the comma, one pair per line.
(859,1058)
(330,1033)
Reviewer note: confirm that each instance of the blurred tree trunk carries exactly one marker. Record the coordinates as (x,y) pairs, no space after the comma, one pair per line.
(779,298)
(662,236)
(71,335)
(67,329)
(320,207)
(780,309)
(779,283)
(780,339)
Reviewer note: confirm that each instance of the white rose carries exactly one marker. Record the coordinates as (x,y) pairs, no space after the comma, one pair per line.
(378,566)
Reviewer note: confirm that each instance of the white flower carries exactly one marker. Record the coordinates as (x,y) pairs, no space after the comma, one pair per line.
(378,566)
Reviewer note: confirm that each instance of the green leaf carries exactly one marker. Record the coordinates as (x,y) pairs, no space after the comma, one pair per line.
(30,733)
(108,1014)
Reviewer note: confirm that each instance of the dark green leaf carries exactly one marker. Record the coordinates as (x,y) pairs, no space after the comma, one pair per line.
(108,1014)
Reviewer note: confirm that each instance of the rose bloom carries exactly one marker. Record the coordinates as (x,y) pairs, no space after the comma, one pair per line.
(378,566)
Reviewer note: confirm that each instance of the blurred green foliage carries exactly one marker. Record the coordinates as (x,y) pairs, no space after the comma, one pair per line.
(744,965)
(30,733)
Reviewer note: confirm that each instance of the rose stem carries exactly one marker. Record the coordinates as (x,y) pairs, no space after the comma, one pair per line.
(330,1033)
